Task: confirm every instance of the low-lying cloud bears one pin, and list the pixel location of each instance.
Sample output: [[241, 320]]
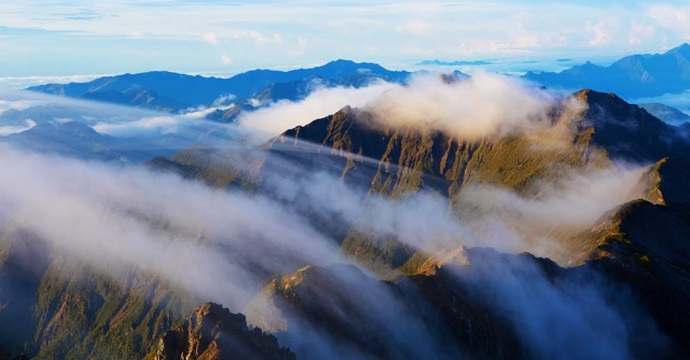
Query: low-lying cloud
[[223, 245], [480, 106], [483, 105], [284, 114], [10, 129]]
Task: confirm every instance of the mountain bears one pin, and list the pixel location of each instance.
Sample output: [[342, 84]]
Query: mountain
[[136, 97], [167, 91], [395, 162], [632, 77], [666, 113], [213, 332], [72, 138], [292, 91], [58, 307], [616, 288], [75, 139], [445, 307], [640, 249]]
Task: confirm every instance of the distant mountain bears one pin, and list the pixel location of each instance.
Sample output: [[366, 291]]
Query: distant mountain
[[296, 90], [39, 114], [75, 139], [168, 91], [136, 97], [666, 113], [632, 77]]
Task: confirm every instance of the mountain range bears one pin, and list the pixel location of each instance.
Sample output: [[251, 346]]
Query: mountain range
[[173, 92], [622, 247], [632, 77], [353, 236]]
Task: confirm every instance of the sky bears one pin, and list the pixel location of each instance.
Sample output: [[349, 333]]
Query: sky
[[64, 40]]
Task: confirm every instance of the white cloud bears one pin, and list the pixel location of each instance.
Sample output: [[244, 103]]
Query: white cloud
[[641, 31], [7, 130], [674, 18], [162, 124], [226, 59], [18, 104], [414, 28], [483, 105], [284, 114], [210, 38], [600, 33]]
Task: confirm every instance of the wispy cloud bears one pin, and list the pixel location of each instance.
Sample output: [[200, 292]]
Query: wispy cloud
[[210, 38], [273, 33], [9, 129], [673, 17]]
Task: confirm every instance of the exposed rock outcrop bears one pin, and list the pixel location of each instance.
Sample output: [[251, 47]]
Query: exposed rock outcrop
[[214, 333]]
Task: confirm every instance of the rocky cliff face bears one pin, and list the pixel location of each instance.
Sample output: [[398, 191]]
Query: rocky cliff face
[[60, 308], [214, 333], [588, 132], [475, 303], [431, 315]]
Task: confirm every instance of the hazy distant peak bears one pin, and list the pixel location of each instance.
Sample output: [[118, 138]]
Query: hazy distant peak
[[683, 49]]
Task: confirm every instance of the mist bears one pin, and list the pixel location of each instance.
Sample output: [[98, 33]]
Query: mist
[[101, 131], [571, 315], [282, 115], [480, 106], [223, 245]]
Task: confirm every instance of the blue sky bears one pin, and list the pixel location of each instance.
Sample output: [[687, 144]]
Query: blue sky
[[74, 38]]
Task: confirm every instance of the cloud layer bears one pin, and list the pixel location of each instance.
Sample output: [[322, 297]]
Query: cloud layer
[[224, 245]]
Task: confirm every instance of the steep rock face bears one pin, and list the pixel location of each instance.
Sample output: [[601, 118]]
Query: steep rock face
[[23, 262], [646, 245], [628, 132], [60, 308], [600, 130], [667, 183], [214, 333], [468, 303], [409, 159], [406, 159], [417, 317], [396, 161]]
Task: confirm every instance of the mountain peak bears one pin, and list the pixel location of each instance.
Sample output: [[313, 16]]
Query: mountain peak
[[349, 65], [341, 62], [213, 332], [683, 49]]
